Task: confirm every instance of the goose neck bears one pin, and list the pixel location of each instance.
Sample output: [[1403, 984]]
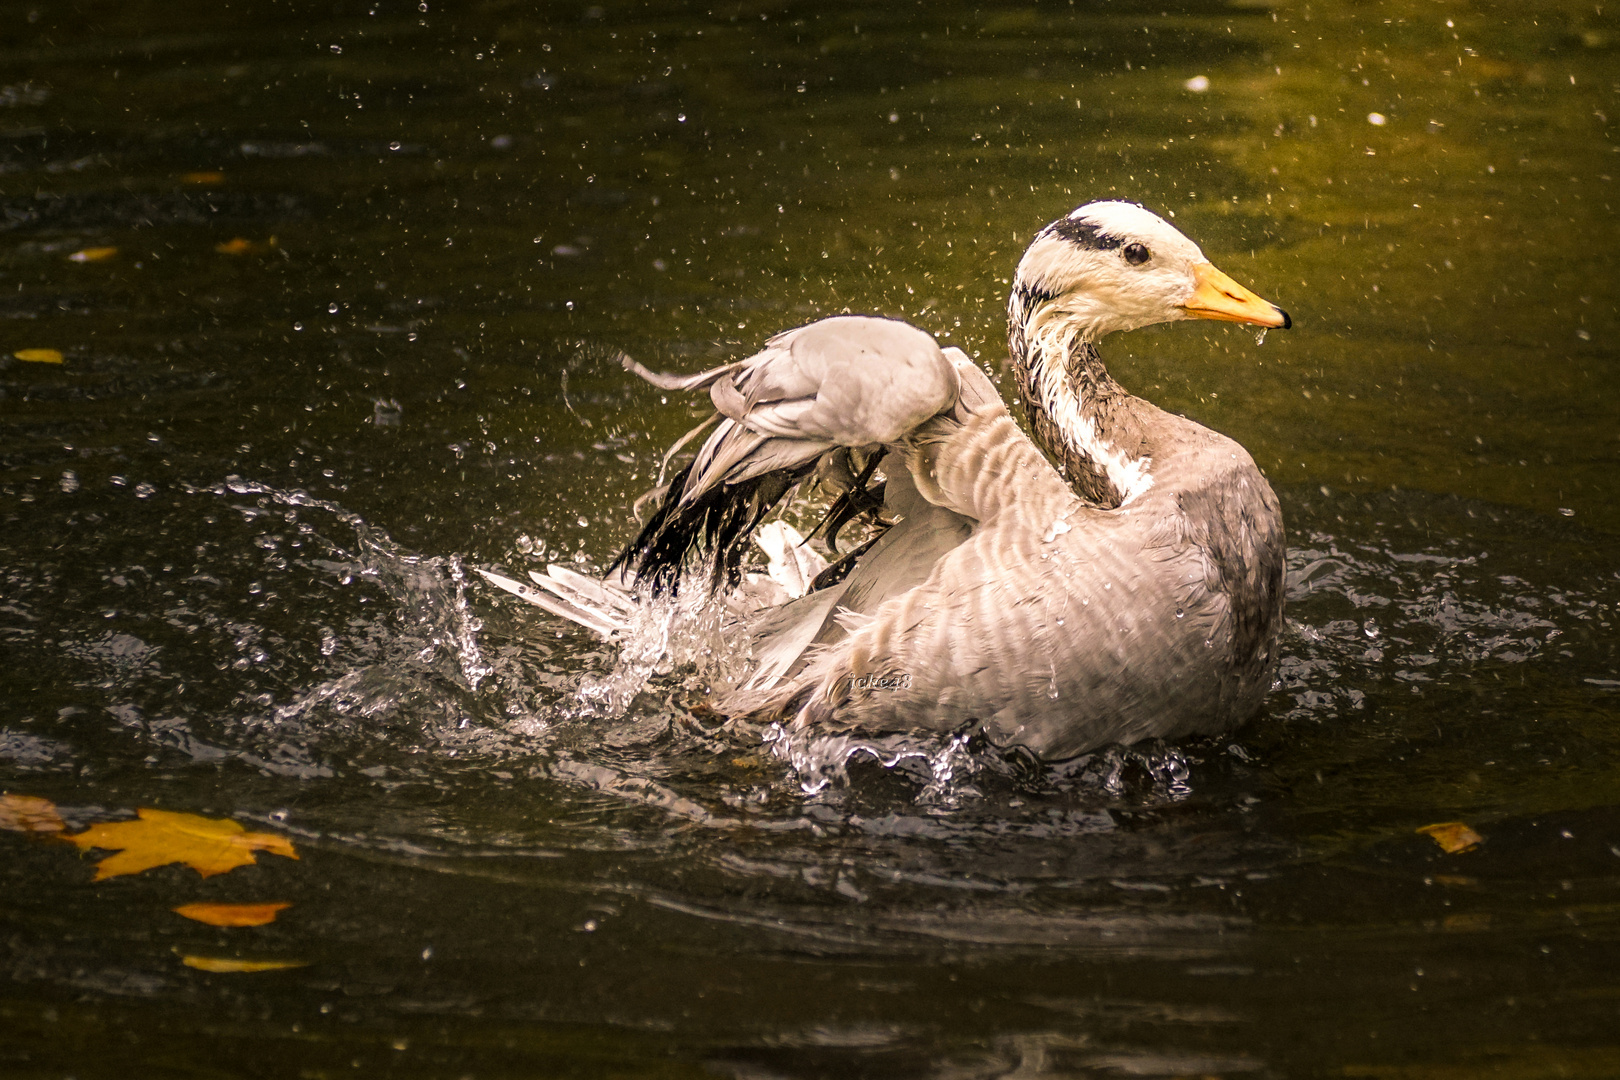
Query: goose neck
[[1079, 414]]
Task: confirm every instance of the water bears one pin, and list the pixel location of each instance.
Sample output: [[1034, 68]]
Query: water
[[359, 337]]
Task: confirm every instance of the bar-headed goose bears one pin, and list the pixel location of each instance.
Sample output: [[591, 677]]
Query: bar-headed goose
[[1118, 576]]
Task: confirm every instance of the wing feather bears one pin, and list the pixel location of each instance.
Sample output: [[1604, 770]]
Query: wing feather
[[848, 382]]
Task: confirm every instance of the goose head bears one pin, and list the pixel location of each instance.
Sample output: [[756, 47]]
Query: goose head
[[1113, 265]]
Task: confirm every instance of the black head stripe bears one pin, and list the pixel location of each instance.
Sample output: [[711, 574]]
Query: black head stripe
[[1027, 296], [1084, 234]]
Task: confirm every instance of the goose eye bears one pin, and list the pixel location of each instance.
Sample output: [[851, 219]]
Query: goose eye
[[1137, 254]]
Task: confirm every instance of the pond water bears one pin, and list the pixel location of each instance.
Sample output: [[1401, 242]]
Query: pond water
[[372, 263]]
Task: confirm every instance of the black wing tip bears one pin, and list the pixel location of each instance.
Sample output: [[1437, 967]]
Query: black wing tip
[[716, 527]]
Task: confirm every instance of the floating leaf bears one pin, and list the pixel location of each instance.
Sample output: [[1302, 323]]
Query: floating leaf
[[39, 356], [232, 914], [160, 837], [87, 255], [1453, 837], [239, 246], [227, 964], [30, 814], [205, 177]]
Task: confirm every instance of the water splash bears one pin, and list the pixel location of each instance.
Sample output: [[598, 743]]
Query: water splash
[[430, 591], [368, 683], [821, 760], [1151, 771], [664, 633], [692, 634]]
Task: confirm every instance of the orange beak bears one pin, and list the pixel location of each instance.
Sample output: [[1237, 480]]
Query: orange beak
[[1219, 297]]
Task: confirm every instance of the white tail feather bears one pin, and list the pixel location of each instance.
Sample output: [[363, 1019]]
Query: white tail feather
[[601, 622]]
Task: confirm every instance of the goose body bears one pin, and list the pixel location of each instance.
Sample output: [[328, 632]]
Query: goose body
[[1121, 580]]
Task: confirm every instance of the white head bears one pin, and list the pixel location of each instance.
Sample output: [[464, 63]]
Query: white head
[[1109, 266], [1114, 266]]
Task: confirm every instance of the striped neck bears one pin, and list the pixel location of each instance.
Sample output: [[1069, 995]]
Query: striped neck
[[1074, 406]]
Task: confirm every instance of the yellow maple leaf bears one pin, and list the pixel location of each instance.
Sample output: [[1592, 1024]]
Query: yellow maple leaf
[[233, 914], [30, 814], [1453, 837], [39, 356], [159, 837], [225, 963], [95, 254]]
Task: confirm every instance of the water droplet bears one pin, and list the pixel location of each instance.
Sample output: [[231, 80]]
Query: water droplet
[[1180, 614], [1260, 337], [298, 326], [69, 482], [332, 309]]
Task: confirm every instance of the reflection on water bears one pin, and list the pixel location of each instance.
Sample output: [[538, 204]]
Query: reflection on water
[[337, 293]]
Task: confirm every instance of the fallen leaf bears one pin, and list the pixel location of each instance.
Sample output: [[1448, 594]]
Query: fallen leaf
[[159, 837], [203, 177], [39, 356], [232, 914], [226, 964], [240, 246], [1453, 837], [30, 814]]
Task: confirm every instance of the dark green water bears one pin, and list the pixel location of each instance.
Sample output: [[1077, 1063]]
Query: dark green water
[[238, 523]]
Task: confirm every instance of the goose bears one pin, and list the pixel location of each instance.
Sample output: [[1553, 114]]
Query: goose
[[1112, 575]]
